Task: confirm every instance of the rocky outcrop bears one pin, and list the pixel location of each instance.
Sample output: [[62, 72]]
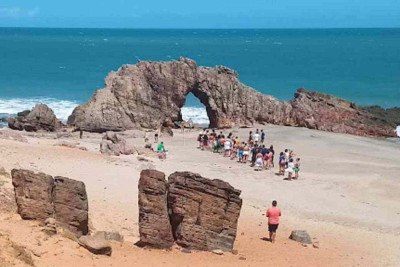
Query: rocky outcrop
[[195, 212], [40, 196], [148, 94], [204, 212], [154, 227], [114, 144], [41, 117], [324, 112]]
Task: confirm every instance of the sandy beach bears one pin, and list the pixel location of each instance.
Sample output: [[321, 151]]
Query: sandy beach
[[346, 198]]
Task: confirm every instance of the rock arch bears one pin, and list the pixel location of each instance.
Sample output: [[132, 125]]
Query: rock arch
[[149, 94]]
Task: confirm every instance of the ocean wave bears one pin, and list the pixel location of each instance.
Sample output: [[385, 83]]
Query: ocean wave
[[198, 115], [62, 108]]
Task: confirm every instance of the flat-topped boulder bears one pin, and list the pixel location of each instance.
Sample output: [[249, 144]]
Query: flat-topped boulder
[[148, 94], [40, 196], [41, 117]]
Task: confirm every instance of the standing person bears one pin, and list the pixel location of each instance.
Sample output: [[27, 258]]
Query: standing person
[[259, 163], [273, 215], [246, 152], [271, 150], [296, 168], [282, 163], [250, 141], [156, 137], [256, 136], [290, 169], [254, 153], [227, 147], [287, 156], [262, 136], [205, 141]]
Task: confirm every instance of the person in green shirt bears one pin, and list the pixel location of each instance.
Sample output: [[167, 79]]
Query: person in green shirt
[[161, 151], [160, 147]]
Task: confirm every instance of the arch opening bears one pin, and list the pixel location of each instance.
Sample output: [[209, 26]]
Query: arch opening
[[195, 110]]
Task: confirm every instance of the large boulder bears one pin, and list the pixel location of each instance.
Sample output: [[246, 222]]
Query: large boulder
[[154, 225], [71, 205], [149, 93], [114, 144], [204, 213], [40, 196], [33, 194], [41, 117]]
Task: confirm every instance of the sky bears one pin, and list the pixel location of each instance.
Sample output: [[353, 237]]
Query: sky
[[200, 14]]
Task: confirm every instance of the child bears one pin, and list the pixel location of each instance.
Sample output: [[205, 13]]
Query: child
[[290, 169], [259, 163], [296, 168]]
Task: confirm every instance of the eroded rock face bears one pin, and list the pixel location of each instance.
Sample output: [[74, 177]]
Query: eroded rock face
[[39, 197], [33, 194], [195, 212], [71, 205], [154, 226], [148, 94], [41, 117], [204, 212]]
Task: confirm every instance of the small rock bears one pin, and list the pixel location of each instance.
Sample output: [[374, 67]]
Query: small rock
[[300, 236], [96, 245], [235, 251], [315, 245], [186, 250], [115, 236], [242, 258], [218, 252]]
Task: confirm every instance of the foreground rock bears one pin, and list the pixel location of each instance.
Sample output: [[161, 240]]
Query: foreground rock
[[41, 117], [39, 197], [301, 236], [203, 213], [96, 245], [149, 94], [154, 226]]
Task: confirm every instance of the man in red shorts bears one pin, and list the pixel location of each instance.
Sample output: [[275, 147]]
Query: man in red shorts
[[273, 215]]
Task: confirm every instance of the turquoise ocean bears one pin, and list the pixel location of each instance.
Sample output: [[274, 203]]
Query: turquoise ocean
[[63, 67]]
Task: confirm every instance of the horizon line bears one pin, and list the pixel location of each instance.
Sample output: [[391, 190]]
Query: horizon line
[[172, 28]]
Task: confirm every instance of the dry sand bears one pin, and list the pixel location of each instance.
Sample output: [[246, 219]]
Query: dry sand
[[346, 198]]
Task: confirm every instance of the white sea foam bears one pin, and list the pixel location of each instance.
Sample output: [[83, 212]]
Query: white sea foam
[[198, 115], [62, 108]]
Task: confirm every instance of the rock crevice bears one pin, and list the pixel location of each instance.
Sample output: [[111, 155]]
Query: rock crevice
[[40, 196]]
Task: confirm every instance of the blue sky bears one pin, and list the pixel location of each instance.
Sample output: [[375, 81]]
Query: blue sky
[[200, 14]]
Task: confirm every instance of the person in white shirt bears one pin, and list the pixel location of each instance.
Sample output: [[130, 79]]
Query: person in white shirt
[[227, 147]]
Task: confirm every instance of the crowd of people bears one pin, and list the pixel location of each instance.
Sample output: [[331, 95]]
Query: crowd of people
[[253, 151]]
